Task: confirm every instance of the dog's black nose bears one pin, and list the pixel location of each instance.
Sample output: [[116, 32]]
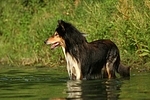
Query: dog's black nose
[[45, 41]]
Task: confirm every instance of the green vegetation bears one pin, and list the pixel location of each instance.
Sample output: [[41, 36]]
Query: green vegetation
[[25, 24]]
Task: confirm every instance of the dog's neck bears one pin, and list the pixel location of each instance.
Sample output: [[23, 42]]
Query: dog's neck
[[69, 52]]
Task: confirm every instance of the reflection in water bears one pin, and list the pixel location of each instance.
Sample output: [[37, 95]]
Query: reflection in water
[[74, 89], [93, 90]]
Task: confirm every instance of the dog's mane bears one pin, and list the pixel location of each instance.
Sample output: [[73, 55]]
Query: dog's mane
[[74, 39]]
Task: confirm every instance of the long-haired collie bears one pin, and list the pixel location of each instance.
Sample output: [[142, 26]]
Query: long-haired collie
[[87, 60]]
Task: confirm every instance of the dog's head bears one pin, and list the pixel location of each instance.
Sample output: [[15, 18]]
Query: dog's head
[[57, 38], [65, 35]]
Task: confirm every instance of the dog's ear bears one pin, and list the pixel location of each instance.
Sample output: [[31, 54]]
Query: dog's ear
[[61, 24]]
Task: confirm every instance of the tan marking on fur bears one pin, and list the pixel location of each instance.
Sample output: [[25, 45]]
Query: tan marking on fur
[[108, 71], [55, 38], [110, 65]]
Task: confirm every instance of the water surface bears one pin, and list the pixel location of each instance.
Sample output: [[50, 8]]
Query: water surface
[[43, 83]]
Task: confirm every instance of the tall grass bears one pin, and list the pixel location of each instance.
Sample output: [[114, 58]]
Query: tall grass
[[25, 24]]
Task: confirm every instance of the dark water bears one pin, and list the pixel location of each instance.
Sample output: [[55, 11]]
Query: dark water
[[40, 83]]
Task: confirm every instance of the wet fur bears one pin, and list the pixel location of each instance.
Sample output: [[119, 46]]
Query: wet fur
[[87, 60]]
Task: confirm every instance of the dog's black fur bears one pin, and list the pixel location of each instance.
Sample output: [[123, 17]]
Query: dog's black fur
[[97, 59]]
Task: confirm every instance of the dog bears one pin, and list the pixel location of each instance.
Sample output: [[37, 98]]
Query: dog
[[86, 60]]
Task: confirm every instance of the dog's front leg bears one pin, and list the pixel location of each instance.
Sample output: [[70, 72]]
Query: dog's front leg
[[78, 72], [69, 70]]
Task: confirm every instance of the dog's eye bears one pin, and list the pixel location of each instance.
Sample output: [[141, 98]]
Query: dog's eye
[[56, 34]]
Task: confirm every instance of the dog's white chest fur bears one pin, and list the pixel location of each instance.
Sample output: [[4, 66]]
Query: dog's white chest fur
[[73, 67]]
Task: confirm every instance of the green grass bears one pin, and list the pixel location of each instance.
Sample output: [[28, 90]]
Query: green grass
[[25, 24]]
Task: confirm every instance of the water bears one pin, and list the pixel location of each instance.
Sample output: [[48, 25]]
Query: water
[[42, 83]]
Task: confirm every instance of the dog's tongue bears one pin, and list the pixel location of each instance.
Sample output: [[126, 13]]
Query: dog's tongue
[[54, 45]]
